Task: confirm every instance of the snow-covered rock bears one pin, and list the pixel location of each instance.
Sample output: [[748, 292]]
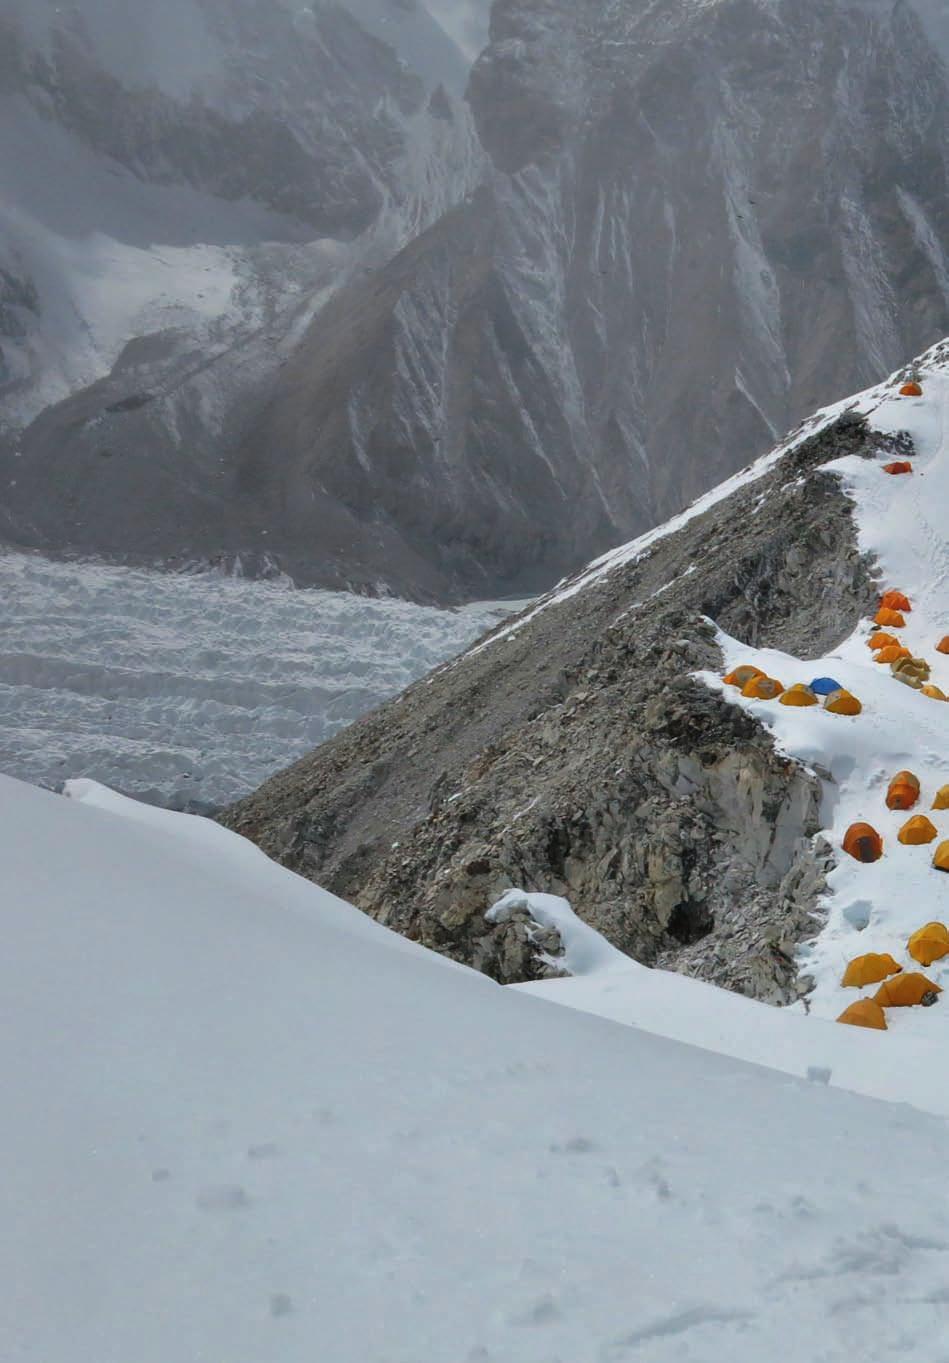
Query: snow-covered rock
[[243, 1122]]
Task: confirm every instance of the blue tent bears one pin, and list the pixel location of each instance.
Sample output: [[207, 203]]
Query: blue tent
[[822, 686]]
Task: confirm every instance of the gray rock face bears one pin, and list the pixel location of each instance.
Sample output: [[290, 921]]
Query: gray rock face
[[575, 754], [202, 166], [699, 221]]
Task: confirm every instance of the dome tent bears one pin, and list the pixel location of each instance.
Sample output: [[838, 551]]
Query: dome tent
[[898, 466], [880, 639], [917, 831], [941, 857], [870, 969], [891, 653], [895, 601], [762, 688], [740, 675], [889, 619], [929, 943], [864, 1013], [903, 791], [907, 991], [911, 390], [799, 694], [864, 843], [842, 703], [823, 686], [941, 798]]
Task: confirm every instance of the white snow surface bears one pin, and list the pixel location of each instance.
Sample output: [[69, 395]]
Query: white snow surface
[[183, 689], [244, 1122]]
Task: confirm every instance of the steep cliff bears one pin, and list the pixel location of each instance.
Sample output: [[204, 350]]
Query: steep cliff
[[574, 751]]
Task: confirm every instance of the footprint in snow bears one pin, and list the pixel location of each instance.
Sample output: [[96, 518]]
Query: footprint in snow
[[266, 1150], [576, 1145], [544, 1311], [225, 1197]]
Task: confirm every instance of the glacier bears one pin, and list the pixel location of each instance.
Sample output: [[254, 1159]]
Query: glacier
[[189, 690]]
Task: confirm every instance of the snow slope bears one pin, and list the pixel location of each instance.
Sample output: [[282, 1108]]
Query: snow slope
[[247, 1123], [184, 689]]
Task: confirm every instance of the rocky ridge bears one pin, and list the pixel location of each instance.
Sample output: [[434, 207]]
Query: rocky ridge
[[573, 752]]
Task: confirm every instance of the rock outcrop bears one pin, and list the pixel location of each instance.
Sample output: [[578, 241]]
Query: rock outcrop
[[574, 752]]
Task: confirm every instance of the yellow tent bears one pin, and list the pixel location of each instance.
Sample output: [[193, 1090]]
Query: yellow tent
[[740, 675], [941, 800], [871, 969], [864, 1013], [929, 943], [842, 703], [934, 692], [762, 688], [941, 857], [798, 694], [917, 830], [906, 991]]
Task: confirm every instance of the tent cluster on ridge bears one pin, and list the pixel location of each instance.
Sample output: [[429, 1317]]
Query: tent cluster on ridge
[[898, 989], [757, 685], [887, 648], [863, 842]]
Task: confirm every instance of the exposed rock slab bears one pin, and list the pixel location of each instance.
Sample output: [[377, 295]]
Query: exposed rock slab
[[576, 755]]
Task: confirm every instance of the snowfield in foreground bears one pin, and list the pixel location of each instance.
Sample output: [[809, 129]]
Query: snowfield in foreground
[[243, 1122], [184, 690]]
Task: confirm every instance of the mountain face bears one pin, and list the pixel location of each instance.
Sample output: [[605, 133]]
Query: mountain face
[[684, 225], [575, 752], [180, 176]]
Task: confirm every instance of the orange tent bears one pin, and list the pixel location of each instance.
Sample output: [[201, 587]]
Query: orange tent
[[941, 857], [891, 619], [941, 798], [943, 645], [740, 675], [898, 466], [903, 791], [798, 694], [929, 943], [880, 639], [895, 601], [863, 842], [871, 969], [762, 688], [911, 390], [906, 990], [917, 830], [864, 1013], [891, 653], [934, 692], [842, 703]]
